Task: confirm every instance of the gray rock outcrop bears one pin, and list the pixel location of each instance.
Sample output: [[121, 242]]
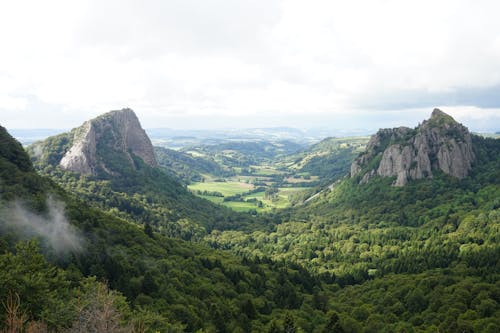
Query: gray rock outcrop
[[116, 132], [439, 143]]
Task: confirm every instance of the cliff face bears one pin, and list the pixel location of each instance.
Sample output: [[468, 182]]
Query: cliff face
[[439, 143], [116, 133]]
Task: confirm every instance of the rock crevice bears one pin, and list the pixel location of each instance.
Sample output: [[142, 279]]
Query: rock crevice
[[439, 143], [114, 133]]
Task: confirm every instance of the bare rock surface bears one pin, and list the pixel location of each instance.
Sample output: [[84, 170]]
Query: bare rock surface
[[439, 143], [116, 133]]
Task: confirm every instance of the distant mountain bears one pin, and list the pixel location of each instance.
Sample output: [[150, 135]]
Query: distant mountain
[[411, 249], [27, 136], [152, 283], [104, 145], [424, 257], [110, 162], [175, 139], [439, 143]]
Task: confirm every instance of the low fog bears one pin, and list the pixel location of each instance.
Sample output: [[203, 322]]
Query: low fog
[[52, 226]]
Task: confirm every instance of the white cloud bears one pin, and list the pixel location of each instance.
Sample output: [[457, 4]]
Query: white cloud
[[267, 59]]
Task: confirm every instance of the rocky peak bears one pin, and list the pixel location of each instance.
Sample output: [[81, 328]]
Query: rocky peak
[[437, 113], [110, 140], [439, 143]]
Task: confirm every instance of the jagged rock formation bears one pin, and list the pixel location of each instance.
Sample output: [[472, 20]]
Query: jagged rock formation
[[439, 143], [116, 134]]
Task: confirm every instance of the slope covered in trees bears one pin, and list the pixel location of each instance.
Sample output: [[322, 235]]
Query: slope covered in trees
[[440, 229], [329, 159], [186, 167], [357, 258], [129, 188], [157, 283]]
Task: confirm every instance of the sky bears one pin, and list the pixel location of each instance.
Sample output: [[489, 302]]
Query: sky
[[198, 64]]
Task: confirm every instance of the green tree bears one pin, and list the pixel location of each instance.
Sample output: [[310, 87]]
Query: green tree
[[148, 230], [333, 325], [289, 324]]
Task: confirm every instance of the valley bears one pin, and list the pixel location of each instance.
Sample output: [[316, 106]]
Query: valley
[[258, 175], [397, 232], [264, 166]]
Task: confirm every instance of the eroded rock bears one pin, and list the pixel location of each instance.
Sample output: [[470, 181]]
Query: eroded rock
[[408, 154]]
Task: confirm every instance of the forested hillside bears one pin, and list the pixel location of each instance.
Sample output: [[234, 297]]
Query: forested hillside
[[426, 242], [157, 283], [189, 168], [328, 160], [361, 256], [124, 185]]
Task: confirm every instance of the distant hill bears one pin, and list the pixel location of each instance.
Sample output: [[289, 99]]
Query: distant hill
[[329, 159], [27, 136], [106, 145], [361, 256], [245, 153], [180, 138], [152, 283], [439, 143], [111, 163], [409, 250], [187, 167]]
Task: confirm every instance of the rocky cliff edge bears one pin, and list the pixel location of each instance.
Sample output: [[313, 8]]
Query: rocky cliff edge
[[116, 132], [439, 143]]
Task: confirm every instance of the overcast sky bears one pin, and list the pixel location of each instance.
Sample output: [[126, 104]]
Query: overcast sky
[[250, 63]]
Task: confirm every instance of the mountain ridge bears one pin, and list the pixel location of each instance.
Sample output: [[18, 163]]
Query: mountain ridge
[[88, 148], [123, 182], [439, 143]]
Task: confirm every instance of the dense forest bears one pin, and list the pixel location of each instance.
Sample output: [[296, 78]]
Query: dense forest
[[142, 194], [144, 251], [129, 277]]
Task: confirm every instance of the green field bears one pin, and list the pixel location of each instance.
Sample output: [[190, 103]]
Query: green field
[[217, 200], [232, 187], [226, 188], [264, 170]]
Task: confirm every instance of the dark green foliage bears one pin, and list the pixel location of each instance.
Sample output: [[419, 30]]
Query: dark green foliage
[[44, 290], [12, 152], [440, 300], [148, 230], [329, 159], [289, 325], [17, 176], [333, 325], [144, 194], [177, 283], [358, 233], [369, 258], [245, 153], [186, 167]]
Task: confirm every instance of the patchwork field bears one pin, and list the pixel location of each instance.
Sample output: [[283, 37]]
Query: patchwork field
[[226, 188], [235, 195]]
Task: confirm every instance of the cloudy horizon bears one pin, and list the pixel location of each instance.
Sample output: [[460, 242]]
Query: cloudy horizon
[[240, 64]]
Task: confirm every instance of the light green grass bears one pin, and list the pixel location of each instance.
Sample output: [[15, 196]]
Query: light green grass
[[265, 171], [233, 187], [217, 200], [226, 188]]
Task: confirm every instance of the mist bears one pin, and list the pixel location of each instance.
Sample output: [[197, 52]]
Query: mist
[[52, 226]]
